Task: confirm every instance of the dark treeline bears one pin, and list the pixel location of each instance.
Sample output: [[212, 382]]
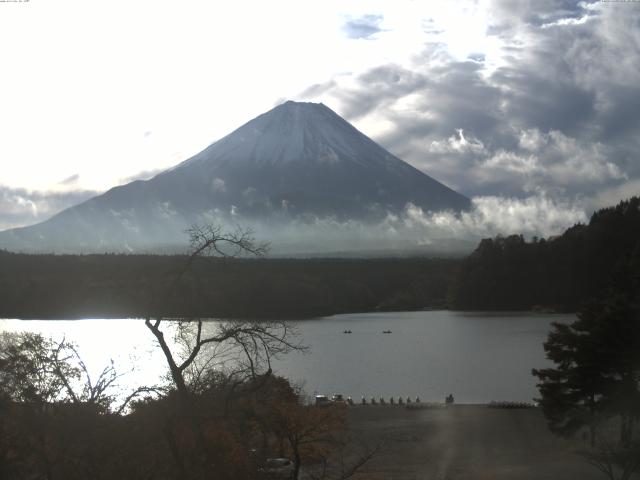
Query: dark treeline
[[504, 273], [111, 286], [561, 273]]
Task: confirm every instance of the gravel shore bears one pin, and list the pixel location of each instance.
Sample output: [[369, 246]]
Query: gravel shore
[[464, 442]]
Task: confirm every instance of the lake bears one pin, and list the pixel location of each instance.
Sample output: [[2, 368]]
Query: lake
[[478, 357]]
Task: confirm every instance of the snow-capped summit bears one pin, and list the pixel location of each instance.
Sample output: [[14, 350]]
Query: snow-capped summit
[[305, 157], [296, 161], [293, 132]]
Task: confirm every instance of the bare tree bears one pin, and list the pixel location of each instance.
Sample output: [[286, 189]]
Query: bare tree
[[204, 351], [34, 370], [38, 371], [54, 407], [252, 344]]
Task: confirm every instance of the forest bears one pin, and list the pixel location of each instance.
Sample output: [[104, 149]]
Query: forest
[[555, 274], [118, 286]]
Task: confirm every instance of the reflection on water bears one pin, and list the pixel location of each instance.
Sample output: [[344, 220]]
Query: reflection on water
[[476, 356]]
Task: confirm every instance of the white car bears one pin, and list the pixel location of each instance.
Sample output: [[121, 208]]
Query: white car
[[278, 468], [338, 397]]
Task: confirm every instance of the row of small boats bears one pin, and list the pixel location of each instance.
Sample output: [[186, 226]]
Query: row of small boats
[[384, 331], [494, 404]]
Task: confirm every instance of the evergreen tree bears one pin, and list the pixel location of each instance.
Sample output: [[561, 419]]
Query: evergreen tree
[[595, 383]]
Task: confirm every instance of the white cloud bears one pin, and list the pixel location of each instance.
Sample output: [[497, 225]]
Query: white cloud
[[218, 185], [552, 161], [490, 216], [532, 139], [572, 162], [166, 210], [457, 144], [536, 215], [512, 162]]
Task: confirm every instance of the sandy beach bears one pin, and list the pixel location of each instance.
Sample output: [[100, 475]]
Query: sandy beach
[[463, 442]]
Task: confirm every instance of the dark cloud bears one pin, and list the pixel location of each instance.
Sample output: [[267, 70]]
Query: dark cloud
[[71, 180], [20, 207], [315, 90], [477, 57], [377, 87], [533, 99], [511, 15], [560, 116], [363, 27], [621, 118]]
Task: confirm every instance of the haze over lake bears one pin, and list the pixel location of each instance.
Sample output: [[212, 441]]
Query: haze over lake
[[478, 357]]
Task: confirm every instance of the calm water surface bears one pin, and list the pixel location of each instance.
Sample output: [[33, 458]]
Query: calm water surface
[[476, 356]]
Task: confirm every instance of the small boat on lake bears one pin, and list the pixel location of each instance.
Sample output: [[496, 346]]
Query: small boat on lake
[[386, 331]]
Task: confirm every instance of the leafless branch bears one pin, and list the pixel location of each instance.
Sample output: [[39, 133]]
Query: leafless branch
[[136, 393]]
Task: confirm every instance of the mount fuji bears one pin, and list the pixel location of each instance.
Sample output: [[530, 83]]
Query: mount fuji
[[297, 162]]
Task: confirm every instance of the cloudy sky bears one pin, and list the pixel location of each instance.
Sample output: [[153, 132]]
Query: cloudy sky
[[537, 103]]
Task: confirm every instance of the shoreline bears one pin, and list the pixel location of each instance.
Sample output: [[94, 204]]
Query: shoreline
[[299, 318]]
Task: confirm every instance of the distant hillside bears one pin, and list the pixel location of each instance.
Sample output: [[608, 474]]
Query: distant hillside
[[561, 273]]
